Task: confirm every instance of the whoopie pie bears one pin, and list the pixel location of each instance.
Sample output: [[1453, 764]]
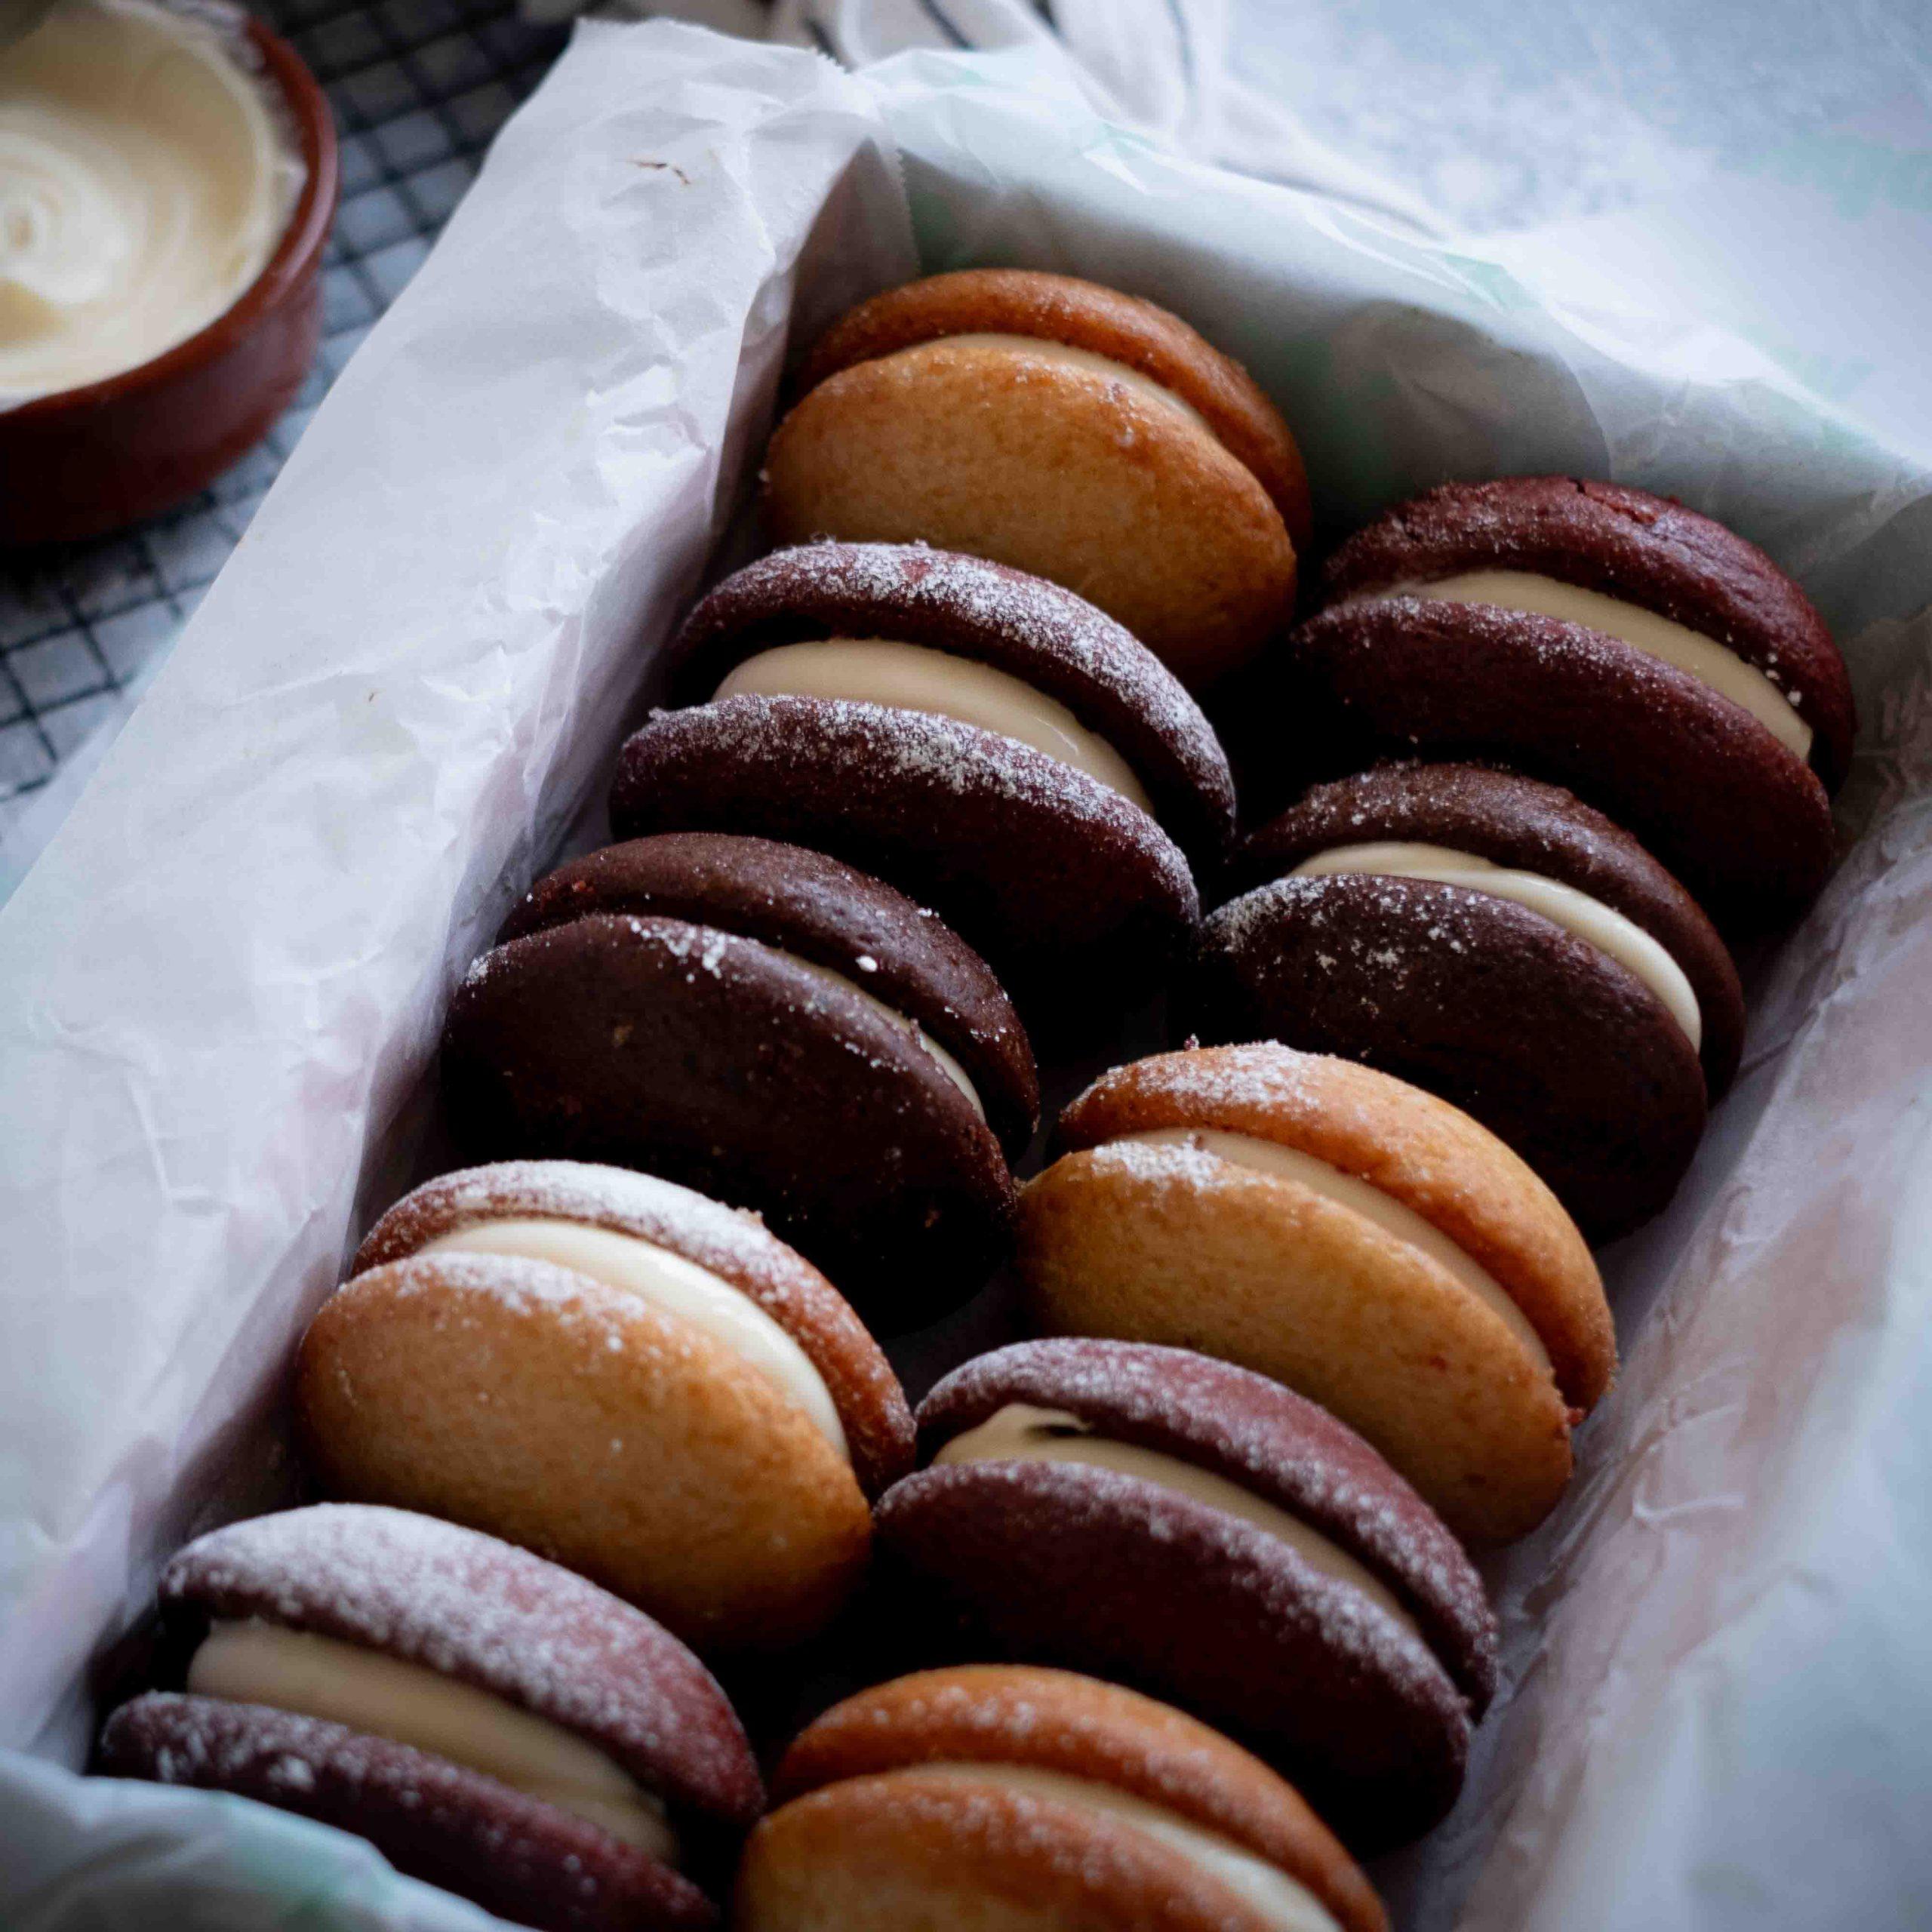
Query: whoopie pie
[[1066, 428], [990, 744], [766, 1024], [1006, 1798], [1355, 1239], [1200, 1532], [620, 1374], [1600, 637], [1495, 941], [491, 1723]]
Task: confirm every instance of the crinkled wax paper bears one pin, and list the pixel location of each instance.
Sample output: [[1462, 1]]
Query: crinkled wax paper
[[221, 988]]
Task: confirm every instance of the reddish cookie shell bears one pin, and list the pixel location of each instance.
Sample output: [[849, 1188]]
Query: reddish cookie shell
[[1271, 1441], [1645, 550], [1564, 1055], [1097, 1571], [1075, 897], [1698, 780], [812, 906], [717, 1061], [1517, 822], [1045, 636], [491, 1615], [735, 1246], [515, 1856]]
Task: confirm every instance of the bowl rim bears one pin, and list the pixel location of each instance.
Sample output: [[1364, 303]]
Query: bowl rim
[[302, 239]]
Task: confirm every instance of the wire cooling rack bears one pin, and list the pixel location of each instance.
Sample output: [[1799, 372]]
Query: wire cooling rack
[[419, 88]]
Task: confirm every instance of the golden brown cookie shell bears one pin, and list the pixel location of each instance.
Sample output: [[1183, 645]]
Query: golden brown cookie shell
[[1124, 328], [1061, 472]]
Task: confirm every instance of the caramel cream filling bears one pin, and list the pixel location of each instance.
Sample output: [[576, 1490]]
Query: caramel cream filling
[[1577, 912], [323, 1676], [912, 677], [1067, 356], [1392, 1216], [1709, 661], [1274, 1897], [675, 1287], [1019, 1432]]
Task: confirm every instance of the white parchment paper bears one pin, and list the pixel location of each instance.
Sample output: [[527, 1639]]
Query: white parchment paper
[[220, 989]]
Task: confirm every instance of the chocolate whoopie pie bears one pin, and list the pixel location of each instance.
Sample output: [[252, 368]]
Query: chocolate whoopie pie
[[1541, 848], [1597, 637], [1010, 1799], [992, 744], [1351, 1237], [765, 1023], [1065, 429], [491, 1723], [1202, 1533], [620, 1374]]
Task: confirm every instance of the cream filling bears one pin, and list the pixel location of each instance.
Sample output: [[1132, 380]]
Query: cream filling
[[1704, 658], [1589, 919], [1069, 357], [1269, 1891], [911, 677], [144, 181], [1394, 1217], [678, 1287], [1019, 1432], [322, 1677]]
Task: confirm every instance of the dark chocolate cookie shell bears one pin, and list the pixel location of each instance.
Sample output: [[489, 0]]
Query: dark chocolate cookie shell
[[512, 1854], [490, 1615], [811, 905], [1703, 786], [1562, 1054], [1645, 550], [1270, 1440], [717, 1062], [1518, 822], [1101, 1572], [1076, 898], [1045, 636]]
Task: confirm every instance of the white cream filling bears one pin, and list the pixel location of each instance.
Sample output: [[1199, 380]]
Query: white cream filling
[[1282, 1902], [144, 181], [1590, 919], [912, 677], [1704, 658], [1394, 1217], [1069, 357], [1019, 1432], [678, 1287], [322, 1677]]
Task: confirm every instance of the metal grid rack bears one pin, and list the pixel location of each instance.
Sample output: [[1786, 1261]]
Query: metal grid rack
[[419, 88]]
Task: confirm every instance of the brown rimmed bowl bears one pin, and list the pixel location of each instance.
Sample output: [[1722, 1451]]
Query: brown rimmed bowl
[[90, 460]]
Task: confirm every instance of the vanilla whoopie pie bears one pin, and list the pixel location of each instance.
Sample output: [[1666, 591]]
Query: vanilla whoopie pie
[[1604, 639], [990, 744], [491, 1723], [1455, 927], [1017, 1800], [1063, 428], [616, 1373], [1176, 1522], [1357, 1239], [768, 1025]]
